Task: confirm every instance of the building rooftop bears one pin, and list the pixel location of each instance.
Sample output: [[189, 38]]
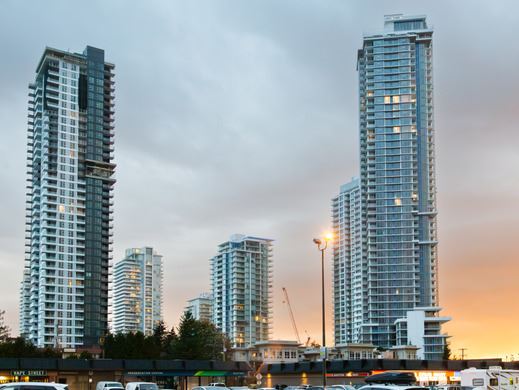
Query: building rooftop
[[355, 182], [278, 342], [66, 54], [242, 237], [401, 24]]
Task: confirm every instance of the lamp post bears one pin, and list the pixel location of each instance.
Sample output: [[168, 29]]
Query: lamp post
[[321, 246]]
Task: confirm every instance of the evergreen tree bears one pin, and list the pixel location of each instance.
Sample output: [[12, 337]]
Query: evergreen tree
[[4, 329], [198, 340], [169, 344], [446, 351], [194, 340]]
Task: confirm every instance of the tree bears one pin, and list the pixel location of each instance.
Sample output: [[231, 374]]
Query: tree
[[131, 346], [446, 351], [159, 333], [193, 339], [198, 340], [19, 347], [85, 355], [169, 343], [4, 329]]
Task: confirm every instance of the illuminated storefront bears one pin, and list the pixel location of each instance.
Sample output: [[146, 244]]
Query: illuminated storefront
[[24, 376], [428, 378]]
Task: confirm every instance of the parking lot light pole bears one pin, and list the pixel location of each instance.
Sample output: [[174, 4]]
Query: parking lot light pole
[[321, 246]]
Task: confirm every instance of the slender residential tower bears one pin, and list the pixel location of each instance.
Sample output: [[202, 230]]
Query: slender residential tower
[[241, 279], [64, 301], [396, 283], [137, 301], [349, 271]]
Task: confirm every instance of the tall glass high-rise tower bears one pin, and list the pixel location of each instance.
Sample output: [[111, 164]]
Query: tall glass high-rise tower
[[64, 294], [397, 177], [241, 281]]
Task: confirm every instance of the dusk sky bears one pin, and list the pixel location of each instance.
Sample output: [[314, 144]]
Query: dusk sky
[[241, 117]]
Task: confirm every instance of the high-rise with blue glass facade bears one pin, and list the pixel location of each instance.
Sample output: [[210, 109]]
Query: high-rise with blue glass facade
[[397, 177], [64, 292]]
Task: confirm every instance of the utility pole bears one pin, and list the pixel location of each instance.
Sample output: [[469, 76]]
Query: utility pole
[[463, 353]]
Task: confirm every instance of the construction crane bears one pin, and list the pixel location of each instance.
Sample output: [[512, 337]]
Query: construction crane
[[291, 315]]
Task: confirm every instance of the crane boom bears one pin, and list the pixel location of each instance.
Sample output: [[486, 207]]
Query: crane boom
[[291, 315]]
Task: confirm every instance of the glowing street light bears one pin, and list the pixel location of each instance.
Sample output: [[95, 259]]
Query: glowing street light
[[321, 246]]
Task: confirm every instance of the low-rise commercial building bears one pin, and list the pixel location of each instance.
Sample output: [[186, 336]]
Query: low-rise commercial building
[[269, 351], [83, 374], [353, 351], [427, 372]]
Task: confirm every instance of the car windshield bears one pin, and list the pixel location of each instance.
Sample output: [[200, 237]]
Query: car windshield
[[148, 386]]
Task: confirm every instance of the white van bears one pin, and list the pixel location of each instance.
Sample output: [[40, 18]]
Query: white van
[[106, 385], [141, 386]]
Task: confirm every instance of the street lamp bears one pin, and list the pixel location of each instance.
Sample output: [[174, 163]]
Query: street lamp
[[321, 246]]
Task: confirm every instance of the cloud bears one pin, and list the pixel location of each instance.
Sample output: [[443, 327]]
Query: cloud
[[236, 117]]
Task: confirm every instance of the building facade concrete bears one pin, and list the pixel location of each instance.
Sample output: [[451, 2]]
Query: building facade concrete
[[137, 300], [64, 291], [422, 328], [201, 307], [241, 282]]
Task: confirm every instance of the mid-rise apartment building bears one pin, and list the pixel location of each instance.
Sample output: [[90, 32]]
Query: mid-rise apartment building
[[137, 299], [201, 307], [421, 327], [241, 281]]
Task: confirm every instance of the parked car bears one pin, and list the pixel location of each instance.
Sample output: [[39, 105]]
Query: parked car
[[210, 388], [141, 386], [34, 386], [107, 385], [340, 387], [384, 386]]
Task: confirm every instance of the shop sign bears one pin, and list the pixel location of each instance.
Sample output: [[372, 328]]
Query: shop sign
[[29, 373], [346, 374]]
